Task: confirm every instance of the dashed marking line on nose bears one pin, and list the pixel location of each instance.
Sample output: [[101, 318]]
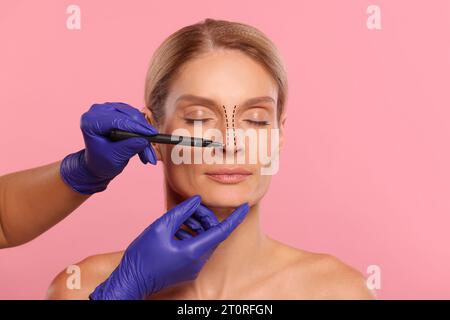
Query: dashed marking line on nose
[[228, 124], [226, 119], [234, 134]]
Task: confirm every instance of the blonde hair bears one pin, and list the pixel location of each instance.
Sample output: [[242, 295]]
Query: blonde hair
[[202, 37]]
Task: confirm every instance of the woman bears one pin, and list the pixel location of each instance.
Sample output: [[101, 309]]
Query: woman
[[226, 74]]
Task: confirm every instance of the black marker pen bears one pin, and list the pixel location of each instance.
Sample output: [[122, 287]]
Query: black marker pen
[[117, 135]]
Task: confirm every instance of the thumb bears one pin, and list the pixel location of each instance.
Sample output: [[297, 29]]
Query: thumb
[[215, 235]]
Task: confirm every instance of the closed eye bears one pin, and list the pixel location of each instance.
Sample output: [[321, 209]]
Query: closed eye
[[257, 123], [192, 121]]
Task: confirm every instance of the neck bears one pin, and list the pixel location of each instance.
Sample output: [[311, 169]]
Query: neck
[[234, 259]]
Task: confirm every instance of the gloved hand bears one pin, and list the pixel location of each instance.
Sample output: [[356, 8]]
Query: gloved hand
[[91, 169], [155, 260]]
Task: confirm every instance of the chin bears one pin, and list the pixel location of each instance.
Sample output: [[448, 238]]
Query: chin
[[225, 199]]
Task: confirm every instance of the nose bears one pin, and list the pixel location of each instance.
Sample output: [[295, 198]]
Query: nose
[[229, 128], [230, 144]]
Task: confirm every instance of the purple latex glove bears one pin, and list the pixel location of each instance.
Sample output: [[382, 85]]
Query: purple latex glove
[[155, 260], [90, 170]]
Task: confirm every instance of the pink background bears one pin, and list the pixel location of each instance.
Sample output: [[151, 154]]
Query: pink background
[[365, 173]]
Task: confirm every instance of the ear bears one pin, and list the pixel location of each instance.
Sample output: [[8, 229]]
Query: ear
[[283, 118], [149, 117]]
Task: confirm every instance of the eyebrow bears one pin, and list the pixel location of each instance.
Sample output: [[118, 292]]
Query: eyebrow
[[210, 102]]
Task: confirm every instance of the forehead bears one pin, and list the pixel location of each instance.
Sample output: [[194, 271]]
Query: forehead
[[226, 76]]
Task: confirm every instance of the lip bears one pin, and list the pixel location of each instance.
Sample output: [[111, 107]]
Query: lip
[[229, 175]]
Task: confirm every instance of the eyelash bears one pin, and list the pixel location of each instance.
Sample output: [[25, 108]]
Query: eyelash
[[256, 123], [191, 121]]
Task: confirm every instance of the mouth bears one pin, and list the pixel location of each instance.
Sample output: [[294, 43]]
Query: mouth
[[228, 175]]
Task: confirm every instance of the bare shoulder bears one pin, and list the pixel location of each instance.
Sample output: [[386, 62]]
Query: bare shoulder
[[90, 272], [314, 275], [338, 280]]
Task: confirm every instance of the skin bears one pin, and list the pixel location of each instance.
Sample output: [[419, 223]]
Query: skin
[[23, 214], [248, 264]]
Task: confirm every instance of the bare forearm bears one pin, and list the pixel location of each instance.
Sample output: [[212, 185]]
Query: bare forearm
[[32, 201]]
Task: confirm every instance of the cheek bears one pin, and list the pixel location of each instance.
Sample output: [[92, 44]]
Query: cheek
[[180, 178], [263, 184], [261, 147], [165, 151], [257, 188], [177, 173]]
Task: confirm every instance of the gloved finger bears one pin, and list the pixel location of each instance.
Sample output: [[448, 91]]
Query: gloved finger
[[128, 124], [151, 154], [176, 216], [205, 216], [214, 236], [108, 106], [182, 234], [143, 157], [194, 225], [201, 220], [101, 123], [148, 155], [101, 119], [125, 149], [132, 112]]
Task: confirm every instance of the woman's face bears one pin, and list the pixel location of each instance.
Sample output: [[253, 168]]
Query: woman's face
[[215, 90]]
